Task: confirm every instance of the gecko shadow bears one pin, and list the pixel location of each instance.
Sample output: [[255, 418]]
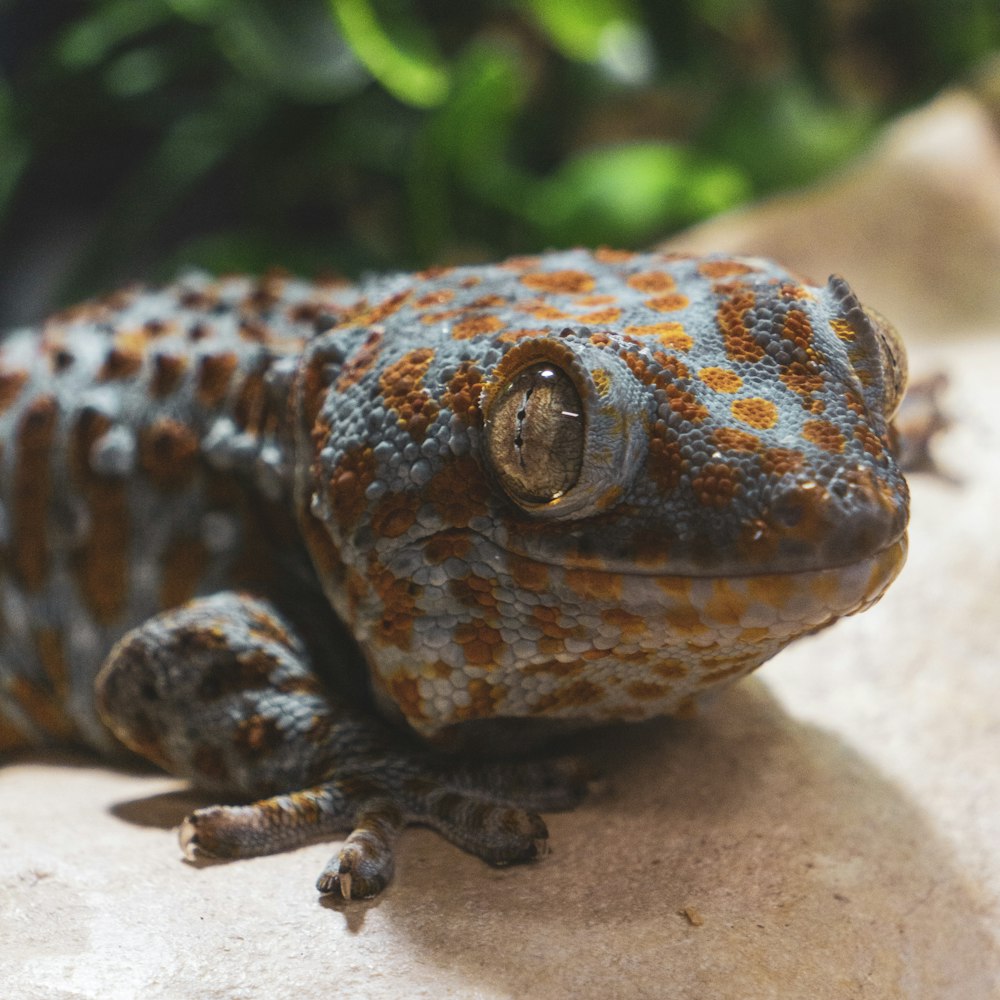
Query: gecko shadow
[[739, 854]]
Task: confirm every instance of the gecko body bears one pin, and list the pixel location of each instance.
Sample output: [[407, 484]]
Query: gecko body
[[295, 542]]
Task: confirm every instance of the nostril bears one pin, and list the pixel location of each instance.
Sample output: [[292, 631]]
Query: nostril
[[788, 511]]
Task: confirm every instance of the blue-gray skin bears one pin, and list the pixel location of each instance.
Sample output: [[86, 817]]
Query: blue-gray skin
[[309, 543]]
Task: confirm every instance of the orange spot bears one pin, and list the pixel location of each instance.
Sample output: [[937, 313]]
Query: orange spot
[[723, 268], [790, 290], [480, 642], [402, 389], [725, 606], [607, 255], [528, 574], [556, 668], [41, 705], [365, 315], [731, 439], [49, 646], [773, 590], [463, 392], [488, 302], [869, 440], [602, 381], [720, 379], [647, 690], [521, 263], [475, 591], [485, 700], [824, 435], [476, 326], [214, 374], [351, 476], [11, 384], [360, 362], [593, 585], [168, 369], [731, 319], [717, 484], [803, 378], [671, 335], [101, 563], [395, 514], [549, 312], [398, 596], [439, 317], [249, 409], [441, 297], [670, 669], [442, 547], [576, 694], [664, 463], [168, 452], [567, 282], [672, 371], [755, 411], [668, 303], [843, 329], [603, 317], [631, 626], [120, 362], [652, 281], [513, 336], [405, 692], [458, 492], [778, 461], [31, 489]]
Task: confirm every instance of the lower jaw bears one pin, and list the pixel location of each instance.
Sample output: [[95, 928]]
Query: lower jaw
[[677, 637]]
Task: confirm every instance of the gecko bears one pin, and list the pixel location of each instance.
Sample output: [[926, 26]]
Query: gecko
[[340, 554]]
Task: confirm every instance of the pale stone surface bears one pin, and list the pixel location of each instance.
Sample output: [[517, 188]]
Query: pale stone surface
[[914, 226], [830, 827]]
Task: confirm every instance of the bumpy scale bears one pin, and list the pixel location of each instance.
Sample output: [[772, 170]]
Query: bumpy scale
[[309, 544]]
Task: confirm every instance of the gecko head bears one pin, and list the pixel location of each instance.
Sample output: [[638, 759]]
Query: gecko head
[[558, 513]]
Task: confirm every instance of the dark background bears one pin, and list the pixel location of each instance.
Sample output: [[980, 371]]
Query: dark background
[[140, 137]]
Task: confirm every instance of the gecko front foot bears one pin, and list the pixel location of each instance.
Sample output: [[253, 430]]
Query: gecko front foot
[[221, 692], [488, 811]]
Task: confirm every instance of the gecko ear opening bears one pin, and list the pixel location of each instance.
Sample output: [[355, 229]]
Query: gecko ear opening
[[878, 354], [894, 366]]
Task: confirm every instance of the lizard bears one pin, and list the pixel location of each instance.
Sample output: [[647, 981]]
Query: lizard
[[340, 553]]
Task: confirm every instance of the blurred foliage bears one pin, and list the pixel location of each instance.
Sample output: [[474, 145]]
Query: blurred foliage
[[140, 136]]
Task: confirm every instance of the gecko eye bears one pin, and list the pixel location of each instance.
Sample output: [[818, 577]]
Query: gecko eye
[[535, 433], [893, 358]]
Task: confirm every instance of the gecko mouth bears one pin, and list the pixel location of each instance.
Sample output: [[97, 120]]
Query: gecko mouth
[[802, 599], [802, 527]]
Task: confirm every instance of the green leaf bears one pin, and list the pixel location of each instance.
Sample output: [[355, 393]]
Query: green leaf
[[630, 194], [15, 151], [576, 29], [402, 60], [294, 48], [89, 41]]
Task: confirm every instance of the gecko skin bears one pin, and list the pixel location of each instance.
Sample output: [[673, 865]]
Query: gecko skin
[[304, 544]]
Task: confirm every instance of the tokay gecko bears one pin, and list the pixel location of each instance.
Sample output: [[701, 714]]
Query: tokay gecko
[[338, 552]]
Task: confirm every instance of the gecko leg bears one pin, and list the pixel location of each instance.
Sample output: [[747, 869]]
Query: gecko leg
[[221, 692]]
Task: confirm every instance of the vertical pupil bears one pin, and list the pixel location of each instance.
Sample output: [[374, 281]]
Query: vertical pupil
[[536, 434]]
